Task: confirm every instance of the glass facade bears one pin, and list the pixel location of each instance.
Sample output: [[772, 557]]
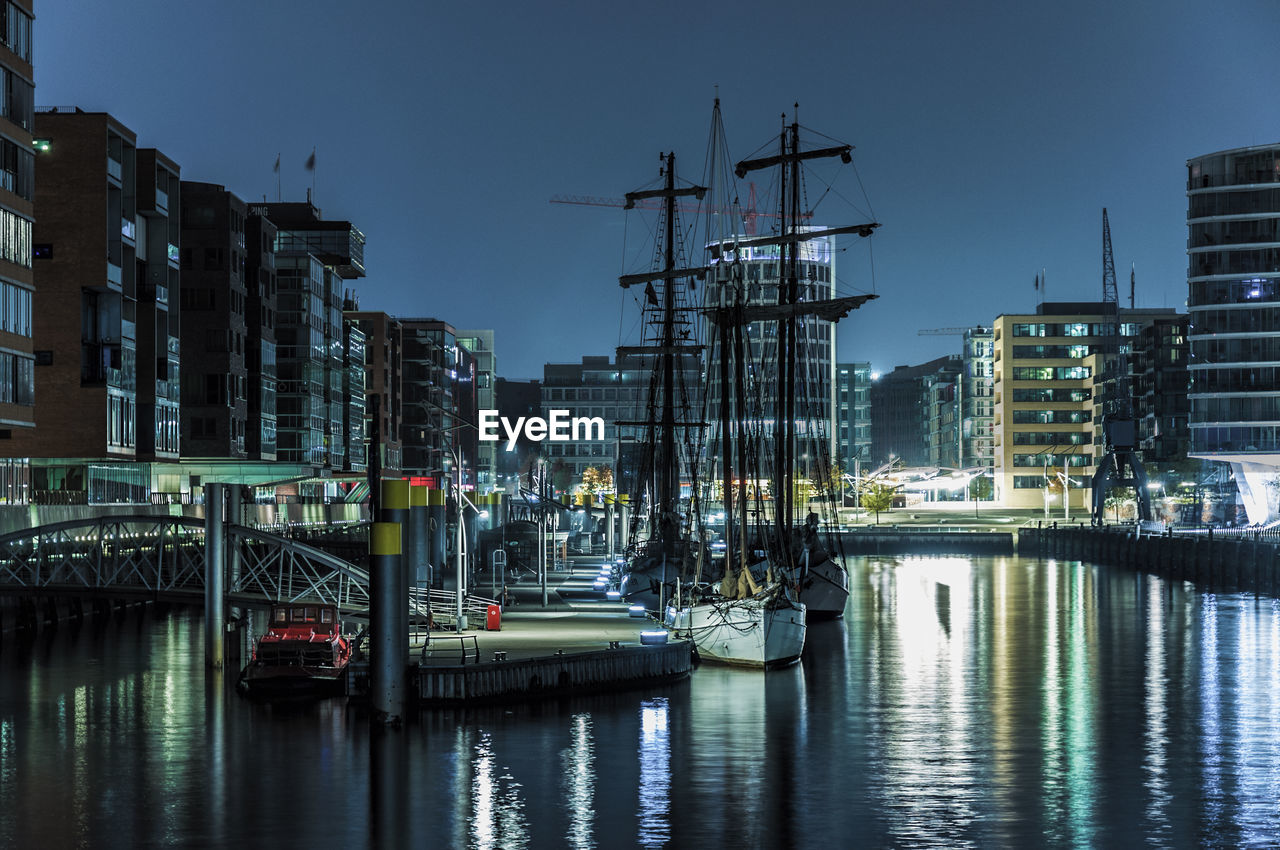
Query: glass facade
[[1233, 279]]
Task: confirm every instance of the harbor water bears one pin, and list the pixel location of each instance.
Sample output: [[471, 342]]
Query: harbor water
[[966, 702]]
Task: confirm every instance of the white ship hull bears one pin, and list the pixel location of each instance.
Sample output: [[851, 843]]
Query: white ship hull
[[764, 631], [825, 590]]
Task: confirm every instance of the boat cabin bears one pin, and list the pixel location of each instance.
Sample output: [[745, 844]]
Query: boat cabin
[[297, 618]]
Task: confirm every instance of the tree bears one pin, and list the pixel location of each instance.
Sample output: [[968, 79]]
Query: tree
[[596, 480], [878, 497], [1116, 499], [980, 490]]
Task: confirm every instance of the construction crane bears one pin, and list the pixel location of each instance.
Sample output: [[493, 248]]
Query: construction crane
[[749, 214], [1119, 430], [943, 331]]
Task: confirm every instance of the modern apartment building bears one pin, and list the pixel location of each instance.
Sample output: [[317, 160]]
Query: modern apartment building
[[898, 415], [1046, 388], [216, 343], [107, 330], [1233, 283], [440, 411], [480, 344], [940, 409], [853, 413], [1160, 380], [262, 312], [314, 258], [976, 391], [17, 346], [383, 352], [617, 392]]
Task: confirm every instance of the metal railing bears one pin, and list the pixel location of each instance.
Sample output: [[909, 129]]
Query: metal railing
[[450, 649], [441, 606]]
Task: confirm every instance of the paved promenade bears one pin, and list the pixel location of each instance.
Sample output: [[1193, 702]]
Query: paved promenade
[[577, 619]]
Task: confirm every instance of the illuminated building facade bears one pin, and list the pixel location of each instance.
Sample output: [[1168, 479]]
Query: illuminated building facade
[[1233, 298]]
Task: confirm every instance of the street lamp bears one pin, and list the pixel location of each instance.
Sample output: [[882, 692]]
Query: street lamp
[[455, 454]]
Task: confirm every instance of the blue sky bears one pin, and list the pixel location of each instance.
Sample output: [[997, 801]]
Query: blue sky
[[989, 136]]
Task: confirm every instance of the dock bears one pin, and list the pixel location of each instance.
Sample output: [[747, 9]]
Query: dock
[[578, 644]]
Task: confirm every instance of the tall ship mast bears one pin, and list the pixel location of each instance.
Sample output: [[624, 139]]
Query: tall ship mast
[[790, 312]]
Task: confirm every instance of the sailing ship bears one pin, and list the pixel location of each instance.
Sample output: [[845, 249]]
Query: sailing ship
[[804, 554], [752, 609]]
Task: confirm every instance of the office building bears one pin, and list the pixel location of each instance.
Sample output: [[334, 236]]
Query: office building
[[107, 331], [1233, 298], [817, 427], [1047, 386], [17, 346]]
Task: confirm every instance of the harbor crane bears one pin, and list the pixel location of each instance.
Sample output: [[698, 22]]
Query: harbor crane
[[1119, 429]]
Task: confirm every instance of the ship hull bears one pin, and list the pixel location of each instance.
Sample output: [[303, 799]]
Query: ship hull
[[758, 632], [289, 681], [825, 590]]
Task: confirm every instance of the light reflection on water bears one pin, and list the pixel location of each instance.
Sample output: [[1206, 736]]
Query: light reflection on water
[[961, 702]]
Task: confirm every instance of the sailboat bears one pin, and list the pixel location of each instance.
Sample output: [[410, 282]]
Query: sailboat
[[798, 552], [753, 610]]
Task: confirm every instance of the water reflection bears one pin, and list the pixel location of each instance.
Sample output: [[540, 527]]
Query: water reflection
[[498, 819], [961, 702], [578, 763], [654, 825]]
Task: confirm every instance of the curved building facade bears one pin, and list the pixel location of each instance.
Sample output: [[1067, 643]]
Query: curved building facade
[[1233, 280]]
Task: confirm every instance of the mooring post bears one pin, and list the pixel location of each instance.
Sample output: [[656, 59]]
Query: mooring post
[[215, 570], [395, 508], [386, 585]]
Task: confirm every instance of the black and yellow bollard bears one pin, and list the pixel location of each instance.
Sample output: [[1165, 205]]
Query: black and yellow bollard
[[387, 643]]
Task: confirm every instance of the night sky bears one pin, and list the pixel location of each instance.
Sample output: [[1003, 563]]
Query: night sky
[[989, 136]]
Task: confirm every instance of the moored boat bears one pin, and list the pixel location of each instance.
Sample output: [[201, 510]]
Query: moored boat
[[303, 653]]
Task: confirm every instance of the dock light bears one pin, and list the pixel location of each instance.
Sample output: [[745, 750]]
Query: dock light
[[636, 611], [613, 595], [655, 638]]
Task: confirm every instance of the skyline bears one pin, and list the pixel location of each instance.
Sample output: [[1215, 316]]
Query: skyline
[[453, 191]]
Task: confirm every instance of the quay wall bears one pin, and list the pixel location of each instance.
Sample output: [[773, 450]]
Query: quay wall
[[545, 676], [1224, 564], [926, 541]]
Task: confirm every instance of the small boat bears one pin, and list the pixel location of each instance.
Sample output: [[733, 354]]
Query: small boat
[[302, 653]]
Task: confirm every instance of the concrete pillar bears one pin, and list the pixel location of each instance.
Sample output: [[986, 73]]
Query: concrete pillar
[[215, 571], [395, 508], [387, 649], [436, 548]]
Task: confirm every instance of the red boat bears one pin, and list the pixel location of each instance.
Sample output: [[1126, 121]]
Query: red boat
[[303, 652]]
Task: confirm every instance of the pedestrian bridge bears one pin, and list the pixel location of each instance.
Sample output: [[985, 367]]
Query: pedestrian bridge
[[163, 557]]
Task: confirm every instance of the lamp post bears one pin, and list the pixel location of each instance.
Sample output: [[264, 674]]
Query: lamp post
[[455, 454]]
